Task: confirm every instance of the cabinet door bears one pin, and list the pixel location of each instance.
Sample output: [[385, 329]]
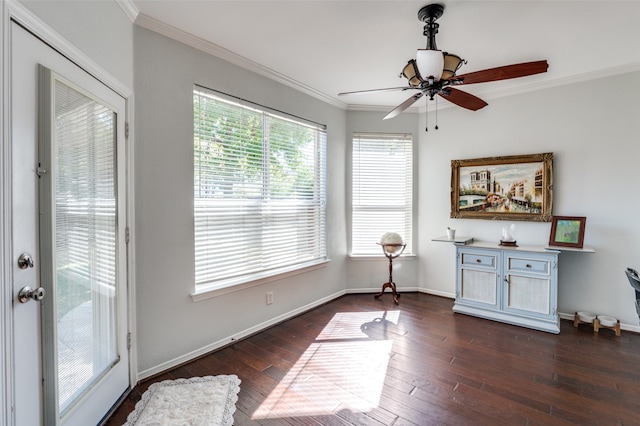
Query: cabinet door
[[529, 284], [478, 278]]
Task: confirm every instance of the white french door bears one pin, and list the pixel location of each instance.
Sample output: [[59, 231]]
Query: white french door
[[71, 361]]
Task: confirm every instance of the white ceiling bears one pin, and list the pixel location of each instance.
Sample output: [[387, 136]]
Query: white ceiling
[[324, 47]]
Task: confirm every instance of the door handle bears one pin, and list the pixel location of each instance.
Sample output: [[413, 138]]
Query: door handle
[[27, 293]]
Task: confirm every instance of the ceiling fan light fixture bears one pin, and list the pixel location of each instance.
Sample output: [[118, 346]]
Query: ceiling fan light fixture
[[411, 73], [430, 63], [451, 64], [433, 72]]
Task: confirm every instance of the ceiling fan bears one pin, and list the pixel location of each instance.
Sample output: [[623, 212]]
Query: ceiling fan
[[433, 72]]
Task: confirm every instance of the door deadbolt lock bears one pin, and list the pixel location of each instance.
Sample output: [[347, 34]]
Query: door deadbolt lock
[[27, 293], [25, 261]]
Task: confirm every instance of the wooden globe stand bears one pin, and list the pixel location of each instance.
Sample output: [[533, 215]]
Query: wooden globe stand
[[391, 254]]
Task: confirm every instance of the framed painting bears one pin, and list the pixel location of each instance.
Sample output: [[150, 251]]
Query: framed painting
[[517, 187], [567, 231]]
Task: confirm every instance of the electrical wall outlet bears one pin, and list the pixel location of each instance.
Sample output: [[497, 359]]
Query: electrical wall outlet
[[269, 297]]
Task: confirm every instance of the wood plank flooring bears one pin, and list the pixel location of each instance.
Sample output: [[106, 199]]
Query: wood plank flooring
[[364, 361]]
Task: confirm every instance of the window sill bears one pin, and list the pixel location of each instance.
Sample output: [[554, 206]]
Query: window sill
[[358, 257], [205, 291]]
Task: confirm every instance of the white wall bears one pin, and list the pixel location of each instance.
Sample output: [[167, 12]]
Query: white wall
[[169, 323], [593, 129], [100, 29]]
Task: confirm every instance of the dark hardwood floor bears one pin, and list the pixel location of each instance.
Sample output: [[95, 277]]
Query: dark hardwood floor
[[365, 361]]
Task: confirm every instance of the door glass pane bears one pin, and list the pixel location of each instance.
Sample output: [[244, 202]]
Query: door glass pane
[[85, 241]]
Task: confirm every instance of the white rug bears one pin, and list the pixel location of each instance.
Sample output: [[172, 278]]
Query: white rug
[[199, 401]]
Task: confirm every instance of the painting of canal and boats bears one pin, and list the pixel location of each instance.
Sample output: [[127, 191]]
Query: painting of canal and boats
[[505, 188]]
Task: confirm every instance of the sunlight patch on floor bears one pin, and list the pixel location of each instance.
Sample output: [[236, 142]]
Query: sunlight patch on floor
[[352, 325], [344, 368]]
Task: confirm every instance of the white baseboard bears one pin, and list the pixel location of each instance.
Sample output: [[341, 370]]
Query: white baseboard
[[402, 290], [377, 290], [160, 368], [438, 293]]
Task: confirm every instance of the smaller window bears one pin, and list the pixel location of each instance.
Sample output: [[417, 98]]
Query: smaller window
[[382, 190]]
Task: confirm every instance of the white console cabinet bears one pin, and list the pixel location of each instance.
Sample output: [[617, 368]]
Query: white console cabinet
[[515, 285]]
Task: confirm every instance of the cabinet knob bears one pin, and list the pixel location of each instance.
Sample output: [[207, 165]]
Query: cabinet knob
[[478, 261], [528, 266]]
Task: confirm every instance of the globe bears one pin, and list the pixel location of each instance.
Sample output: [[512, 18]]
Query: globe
[[391, 238]]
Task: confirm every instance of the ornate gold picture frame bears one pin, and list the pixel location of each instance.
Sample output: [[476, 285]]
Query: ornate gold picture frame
[[517, 187]]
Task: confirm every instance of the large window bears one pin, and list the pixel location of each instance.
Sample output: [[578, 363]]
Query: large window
[[260, 191], [382, 190]]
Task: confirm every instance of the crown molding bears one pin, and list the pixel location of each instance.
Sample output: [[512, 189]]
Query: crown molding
[[542, 85], [213, 49], [565, 81], [32, 23], [129, 8], [380, 108]]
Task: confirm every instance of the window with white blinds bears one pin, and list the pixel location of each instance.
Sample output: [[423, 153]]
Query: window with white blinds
[[259, 191], [382, 190]]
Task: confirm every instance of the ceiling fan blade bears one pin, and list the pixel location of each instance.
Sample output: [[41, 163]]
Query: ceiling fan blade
[[406, 104], [364, 92], [504, 72], [463, 99]]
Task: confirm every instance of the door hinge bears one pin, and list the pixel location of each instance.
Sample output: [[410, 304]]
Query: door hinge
[[127, 236], [129, 340], [126, 130]]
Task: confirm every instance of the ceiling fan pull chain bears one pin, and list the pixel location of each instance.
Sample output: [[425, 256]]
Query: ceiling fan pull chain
[[426, 113], [436, 113]]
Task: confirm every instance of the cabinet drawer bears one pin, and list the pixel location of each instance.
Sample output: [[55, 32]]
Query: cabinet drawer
[[529, 265], [479, 259]]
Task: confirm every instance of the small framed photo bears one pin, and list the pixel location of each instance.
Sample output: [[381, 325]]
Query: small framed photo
[[567, 231]]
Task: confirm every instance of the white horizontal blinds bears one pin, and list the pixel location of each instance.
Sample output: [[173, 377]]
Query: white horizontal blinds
[[382, 190], [85, 240], [259, 193]]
